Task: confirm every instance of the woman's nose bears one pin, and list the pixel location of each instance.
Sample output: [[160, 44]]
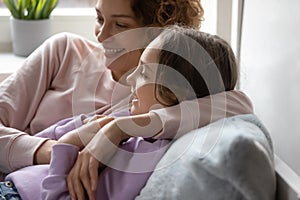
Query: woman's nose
[[104, 33]]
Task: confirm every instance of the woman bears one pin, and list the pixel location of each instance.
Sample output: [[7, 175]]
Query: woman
[[55, 81]]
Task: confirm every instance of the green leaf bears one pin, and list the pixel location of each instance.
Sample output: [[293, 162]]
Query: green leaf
[[49, 6], [39, 9], [31, 9], [10, 4]]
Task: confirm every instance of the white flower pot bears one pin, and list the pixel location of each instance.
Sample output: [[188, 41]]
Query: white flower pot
[[27, 35]]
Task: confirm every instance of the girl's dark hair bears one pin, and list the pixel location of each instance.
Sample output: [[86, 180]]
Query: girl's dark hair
[[168, 12], [193, 64]]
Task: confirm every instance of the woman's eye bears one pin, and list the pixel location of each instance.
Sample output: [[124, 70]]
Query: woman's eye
[[100, 20], [121, 25]]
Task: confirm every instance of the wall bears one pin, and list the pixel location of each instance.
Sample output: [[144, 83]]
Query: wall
[[270, 62]]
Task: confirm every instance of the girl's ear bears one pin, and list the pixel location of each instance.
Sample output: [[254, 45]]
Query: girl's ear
[[165, 96]]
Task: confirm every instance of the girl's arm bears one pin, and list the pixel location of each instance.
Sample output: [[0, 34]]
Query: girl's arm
[[54, 185], [76, 131], [81, 136]]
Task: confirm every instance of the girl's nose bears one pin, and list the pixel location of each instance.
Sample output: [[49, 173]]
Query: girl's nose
[[131, 78]]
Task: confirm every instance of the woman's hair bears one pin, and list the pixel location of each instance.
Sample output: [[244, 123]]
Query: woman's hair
[[169, 12], [193, 64]]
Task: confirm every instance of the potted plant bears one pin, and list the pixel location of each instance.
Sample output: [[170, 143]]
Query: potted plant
[[30, 23]]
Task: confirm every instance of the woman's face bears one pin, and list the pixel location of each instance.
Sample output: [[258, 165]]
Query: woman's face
[[114, 17], [142, 82]]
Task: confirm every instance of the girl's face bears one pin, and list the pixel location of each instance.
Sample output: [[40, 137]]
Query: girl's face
[[113, 17], [142, 82]]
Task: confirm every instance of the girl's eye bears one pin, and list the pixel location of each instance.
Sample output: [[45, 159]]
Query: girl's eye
[[143, 74]]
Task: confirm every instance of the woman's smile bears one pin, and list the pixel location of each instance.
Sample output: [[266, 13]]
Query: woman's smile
[[113, 50]]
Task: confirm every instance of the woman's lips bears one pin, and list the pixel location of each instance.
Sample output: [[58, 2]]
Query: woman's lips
[[113, 51]]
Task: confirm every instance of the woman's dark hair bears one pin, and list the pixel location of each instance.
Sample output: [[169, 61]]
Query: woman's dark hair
[[168, 12], [193, 64]]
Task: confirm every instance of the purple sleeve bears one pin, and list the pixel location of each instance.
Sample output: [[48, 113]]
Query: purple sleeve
[[62, 127], [129, 170], [28, 180], [123, 179], [54, 186]]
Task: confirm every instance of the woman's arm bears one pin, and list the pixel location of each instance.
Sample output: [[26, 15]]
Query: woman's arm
[[168, 123], [163, 123], [38, 95], [189, 115], [172, 122], [20, 96]]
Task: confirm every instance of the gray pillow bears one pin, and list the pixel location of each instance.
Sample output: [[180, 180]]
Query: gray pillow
[[229, 159]]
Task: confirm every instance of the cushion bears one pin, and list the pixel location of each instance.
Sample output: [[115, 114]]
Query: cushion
[[229, 159]]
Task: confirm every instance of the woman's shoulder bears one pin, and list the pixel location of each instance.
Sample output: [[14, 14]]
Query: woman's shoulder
[[68, 39]]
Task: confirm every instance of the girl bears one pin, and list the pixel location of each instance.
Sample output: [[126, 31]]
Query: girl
[[180, 65]]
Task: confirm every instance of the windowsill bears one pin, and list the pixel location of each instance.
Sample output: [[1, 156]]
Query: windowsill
[[75, 20], [64, 20]]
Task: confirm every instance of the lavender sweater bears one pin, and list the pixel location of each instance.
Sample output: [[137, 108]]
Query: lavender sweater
[[49, 181]]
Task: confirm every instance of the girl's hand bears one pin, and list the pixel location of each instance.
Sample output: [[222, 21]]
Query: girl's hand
[[84, 176], [103, 146], [83, 135], [93, 118]]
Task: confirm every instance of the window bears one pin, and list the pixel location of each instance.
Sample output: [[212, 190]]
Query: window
[[70, 13], [1, 4], [210, 16], [76, 3]]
